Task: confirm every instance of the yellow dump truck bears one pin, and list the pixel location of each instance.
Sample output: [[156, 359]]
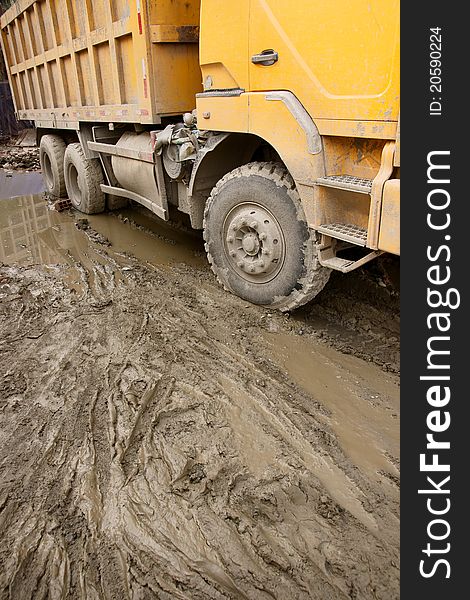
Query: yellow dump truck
[[273, 124]]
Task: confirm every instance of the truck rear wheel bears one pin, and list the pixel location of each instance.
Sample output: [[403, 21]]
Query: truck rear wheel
[[257, 239], [83, 179], [51, 156]]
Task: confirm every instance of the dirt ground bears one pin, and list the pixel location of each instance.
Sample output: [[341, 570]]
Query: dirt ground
[[162, 438], [16, 157]]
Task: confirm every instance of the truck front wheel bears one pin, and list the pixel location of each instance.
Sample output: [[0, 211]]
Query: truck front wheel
[[83, 179], [51, 157], [257, 239]]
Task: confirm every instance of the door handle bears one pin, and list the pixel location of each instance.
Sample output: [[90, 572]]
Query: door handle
[[265, 58]]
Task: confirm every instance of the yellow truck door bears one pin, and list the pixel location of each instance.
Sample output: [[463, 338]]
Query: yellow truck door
[[340, 58]]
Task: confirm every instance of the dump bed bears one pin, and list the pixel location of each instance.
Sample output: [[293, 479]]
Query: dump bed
[[101, 60]]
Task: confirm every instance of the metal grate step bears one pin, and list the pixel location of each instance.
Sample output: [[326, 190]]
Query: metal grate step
[[346, 182], [338, 264], [343, 231]]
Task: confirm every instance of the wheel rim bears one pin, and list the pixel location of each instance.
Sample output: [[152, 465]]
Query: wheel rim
[[47, 171], [253, 241], [74, 189]]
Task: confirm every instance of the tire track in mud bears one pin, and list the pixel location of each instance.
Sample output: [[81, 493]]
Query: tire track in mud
[[153, 449]]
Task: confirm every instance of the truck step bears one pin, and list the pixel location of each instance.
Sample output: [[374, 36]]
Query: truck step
[[344, 231], [346, 182], [338, 264], [343, 264]]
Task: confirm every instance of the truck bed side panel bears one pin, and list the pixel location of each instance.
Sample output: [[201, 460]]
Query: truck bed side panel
[[101, 60]]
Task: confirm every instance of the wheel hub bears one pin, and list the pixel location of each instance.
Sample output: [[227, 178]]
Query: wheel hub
[[75, 186], [47, 169], [251, 244], [254, 243]]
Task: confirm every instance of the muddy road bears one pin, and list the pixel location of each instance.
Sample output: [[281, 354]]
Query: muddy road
[[164, 439]]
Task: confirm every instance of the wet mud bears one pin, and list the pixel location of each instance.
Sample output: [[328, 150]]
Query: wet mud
[[164, 439], [13, 183], [15, 157]]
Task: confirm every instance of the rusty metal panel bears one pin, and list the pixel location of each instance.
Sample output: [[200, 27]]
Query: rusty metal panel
[[389, 238], [102, 60], [396, 160]]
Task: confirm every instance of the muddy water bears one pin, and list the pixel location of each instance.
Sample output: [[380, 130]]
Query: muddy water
[[163, 439], [18, 184], [364, 403], [32, 233]]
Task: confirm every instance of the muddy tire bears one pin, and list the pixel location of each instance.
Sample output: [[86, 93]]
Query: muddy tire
[[83, 179], [51, 156], [257, 240]]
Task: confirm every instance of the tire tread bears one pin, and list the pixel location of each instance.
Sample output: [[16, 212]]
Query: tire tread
[[93, 174], [315, 276], [56, 147]]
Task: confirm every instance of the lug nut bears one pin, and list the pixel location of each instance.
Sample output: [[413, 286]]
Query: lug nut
[[233, 253], [241, 265], [262, 237], [230, 239], [266, 251], [252, 269]]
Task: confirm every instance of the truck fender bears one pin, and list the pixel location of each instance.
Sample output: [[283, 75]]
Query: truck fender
[[222, 153]]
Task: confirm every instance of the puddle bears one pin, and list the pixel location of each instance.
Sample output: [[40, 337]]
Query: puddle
[[363, 402], [148, 238], [31, 233], [20, 184], [339, 486]]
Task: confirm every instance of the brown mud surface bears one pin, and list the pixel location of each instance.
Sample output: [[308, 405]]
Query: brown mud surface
[[162, 438], [18, 158]]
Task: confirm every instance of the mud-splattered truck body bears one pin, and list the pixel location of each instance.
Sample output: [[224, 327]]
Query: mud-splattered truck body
[[273, 124]]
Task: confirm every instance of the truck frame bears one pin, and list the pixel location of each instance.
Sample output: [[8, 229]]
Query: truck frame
[[274, 125]]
